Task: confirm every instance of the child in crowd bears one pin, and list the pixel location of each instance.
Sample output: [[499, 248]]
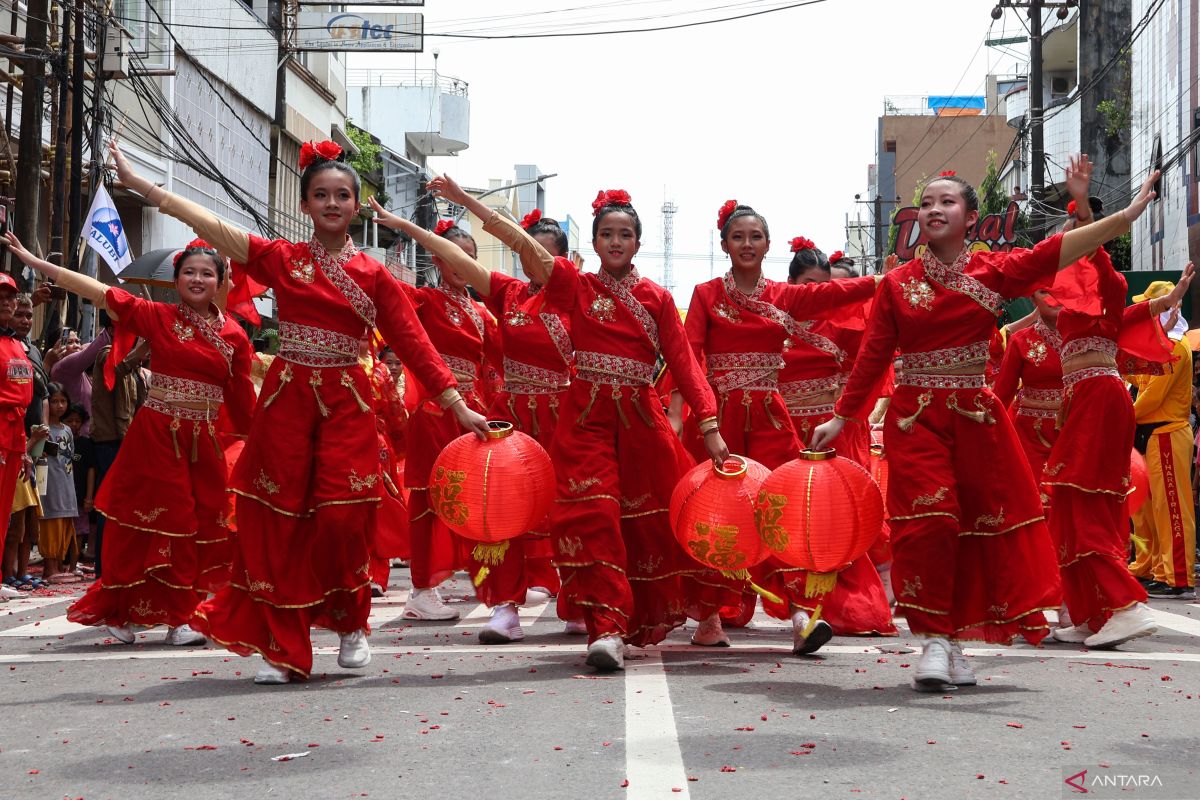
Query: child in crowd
[[56, 528], [83, 470]]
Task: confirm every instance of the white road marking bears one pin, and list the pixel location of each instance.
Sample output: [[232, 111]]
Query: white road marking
[[477, 617], [53, 626], [387, 609], [526, 614], [1175, 622], [653, 762]]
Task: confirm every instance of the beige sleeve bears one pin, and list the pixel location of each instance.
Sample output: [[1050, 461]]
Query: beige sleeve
[[536, 259], [457, 259], [82, 285], [229, 241]]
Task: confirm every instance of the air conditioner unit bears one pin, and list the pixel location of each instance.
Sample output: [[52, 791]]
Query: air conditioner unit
[[115, 61]]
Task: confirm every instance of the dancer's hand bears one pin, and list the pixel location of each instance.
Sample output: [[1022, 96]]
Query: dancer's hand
[[28, 258], [127, 175], [718, 451], [1079, 178], [890, 263], [471, 421], [1144, 196], [389, 220], [1181, 287], [447, 187], [824, 434]]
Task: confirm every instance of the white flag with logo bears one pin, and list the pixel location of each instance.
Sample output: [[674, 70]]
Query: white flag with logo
[[105, 234]]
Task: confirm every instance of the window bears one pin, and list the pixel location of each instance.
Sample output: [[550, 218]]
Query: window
[[149, 40], [889, 146], [1156, 162]]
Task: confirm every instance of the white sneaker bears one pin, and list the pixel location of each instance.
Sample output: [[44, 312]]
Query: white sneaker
[[575, 627], [1072, 634], [184, 636], [1123, 626], [9, 593], [933, 670], [710, 633], [354, 651], [607, 654], [536, 595], [961, 673], [271, 675], [816, 639], [123, 634], [427, 604], [503, 627]]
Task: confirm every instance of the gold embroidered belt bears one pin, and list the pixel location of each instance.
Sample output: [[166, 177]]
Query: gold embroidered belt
[[936, 361], [729, 372], [521, 378], [925, 380], [812, 406], [1072, 378], [316, 347], [612, 369], [463, 371], [1088, 344], [188, 412]]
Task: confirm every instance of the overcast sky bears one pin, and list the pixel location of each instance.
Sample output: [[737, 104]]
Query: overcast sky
[[778, 111]]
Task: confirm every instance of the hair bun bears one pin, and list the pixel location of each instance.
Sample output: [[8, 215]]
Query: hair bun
[[313, 152], [610, 197]]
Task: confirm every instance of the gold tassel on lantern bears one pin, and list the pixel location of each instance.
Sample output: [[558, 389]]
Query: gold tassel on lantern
[[480, 576], [490, 554], [744, 575], [819, 583], [812, 622]]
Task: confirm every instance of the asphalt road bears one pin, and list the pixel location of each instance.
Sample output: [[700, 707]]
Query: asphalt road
[[437, 714]]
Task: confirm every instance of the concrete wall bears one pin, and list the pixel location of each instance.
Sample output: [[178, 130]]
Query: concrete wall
[[1165, 99], [250, 65], [920, 156]]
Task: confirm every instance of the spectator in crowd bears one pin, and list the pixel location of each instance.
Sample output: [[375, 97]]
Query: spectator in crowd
[[56, 525], [83, 470]]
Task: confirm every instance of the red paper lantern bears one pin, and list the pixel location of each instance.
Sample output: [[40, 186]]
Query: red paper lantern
[[493, 490], [1139, 482], [712, 513], [819, 512]]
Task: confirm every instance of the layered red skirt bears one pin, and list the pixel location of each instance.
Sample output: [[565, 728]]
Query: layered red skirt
[[166, 539], [307, 488]]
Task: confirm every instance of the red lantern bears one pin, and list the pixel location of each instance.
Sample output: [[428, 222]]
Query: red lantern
[[492, 490], [1139, 482], [819, 512], [712, 513]]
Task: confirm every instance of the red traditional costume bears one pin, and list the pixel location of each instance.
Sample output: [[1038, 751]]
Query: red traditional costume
[[972, 555], [1087, 472], [1031, 372], [458, 329], [617, 459], [16, 393], [308, 480], [391, 538], [166, 543], [537, 362], [744, 341]]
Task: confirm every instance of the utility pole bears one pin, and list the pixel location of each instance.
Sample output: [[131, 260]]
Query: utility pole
[[29, 148], [58, 171], [878, 232], [75, 201], [1037, 148], [668, 212]]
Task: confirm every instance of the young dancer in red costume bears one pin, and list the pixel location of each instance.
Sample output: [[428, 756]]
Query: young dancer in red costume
[[307, 481], [1087, 472], [168, 547], [617, 459], [1031, 373], [973, 558], [740, 326], [537, 359]]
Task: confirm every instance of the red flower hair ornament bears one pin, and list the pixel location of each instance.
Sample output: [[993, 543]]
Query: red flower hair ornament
[[947, 173], [800, 243], [725, 213], [1071, 208], [610, 197], [194, 244], [531, 219], [312, 152], [443, 226], [837, 256]]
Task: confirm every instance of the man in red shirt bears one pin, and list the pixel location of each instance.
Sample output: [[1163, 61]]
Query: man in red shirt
[[16, 393]]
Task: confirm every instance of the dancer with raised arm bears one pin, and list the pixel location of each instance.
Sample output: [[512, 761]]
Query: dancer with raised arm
[[166, 544], [973, 556], [307, 481]]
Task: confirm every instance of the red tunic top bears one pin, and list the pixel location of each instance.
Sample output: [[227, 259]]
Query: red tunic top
[[458, 328], [942, 316], [1031, 364], [16, 393], [536, 342], [194, 360], [327, 304], [744, 340], [620, 327]]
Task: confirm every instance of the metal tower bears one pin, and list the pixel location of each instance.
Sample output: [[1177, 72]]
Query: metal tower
[[668, 212]]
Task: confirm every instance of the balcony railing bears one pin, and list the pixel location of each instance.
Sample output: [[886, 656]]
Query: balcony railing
[[415, 78]]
